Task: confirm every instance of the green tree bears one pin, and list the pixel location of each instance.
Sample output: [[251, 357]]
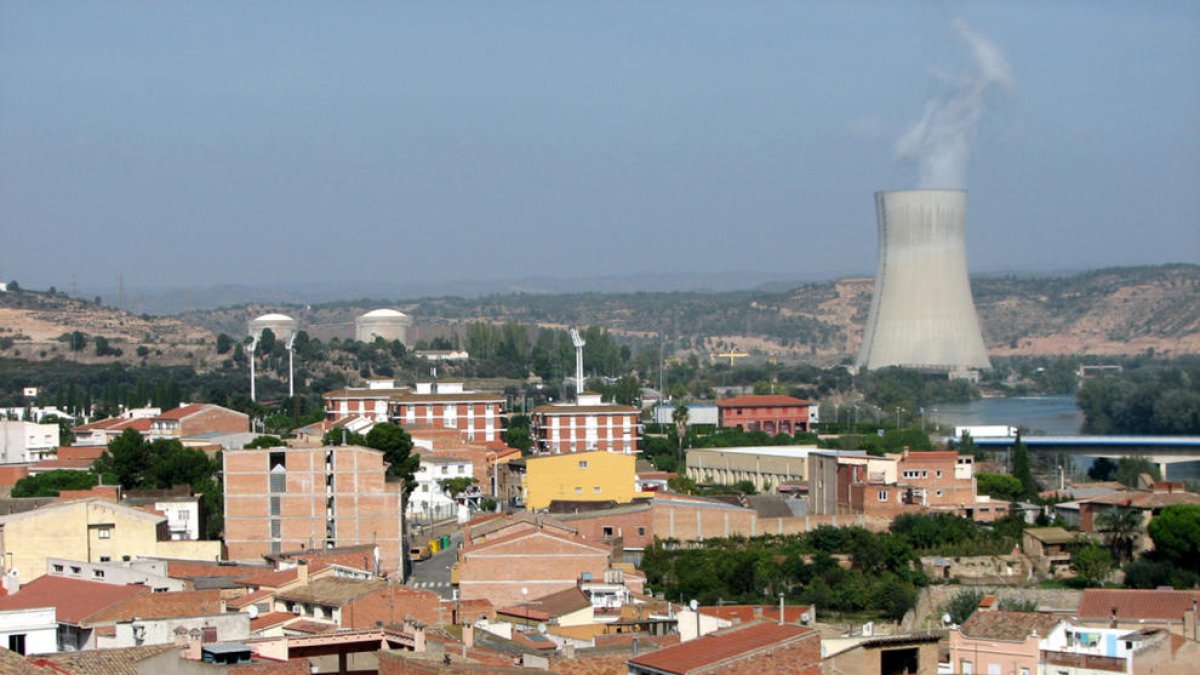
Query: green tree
[[1121, 527], [50, 483], [342, 436], [518, 434], [1176, 534], [679, 416], [224, 343], [457, 485], [1016, 604], [963, 605], [1092, 562], [1000, 486], [1023, 470], [265, 441], [126, 459], [1103, 469], [1130, 470], [397, 447]]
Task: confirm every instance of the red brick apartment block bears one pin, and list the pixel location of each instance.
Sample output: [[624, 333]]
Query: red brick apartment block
[[772, 413], [281, 499], [585, 426]]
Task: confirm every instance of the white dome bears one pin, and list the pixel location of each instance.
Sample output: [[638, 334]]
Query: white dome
[[381, 313], [274, 317]]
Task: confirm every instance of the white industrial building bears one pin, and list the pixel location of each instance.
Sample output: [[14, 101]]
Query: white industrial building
[[388, 324], [922, 313]]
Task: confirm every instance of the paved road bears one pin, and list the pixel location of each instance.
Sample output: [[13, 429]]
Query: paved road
[[434, 574]]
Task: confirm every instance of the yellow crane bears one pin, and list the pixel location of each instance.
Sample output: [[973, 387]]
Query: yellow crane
[[731, 355]]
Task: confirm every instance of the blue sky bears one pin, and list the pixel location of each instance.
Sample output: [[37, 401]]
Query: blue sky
[[205, 143]]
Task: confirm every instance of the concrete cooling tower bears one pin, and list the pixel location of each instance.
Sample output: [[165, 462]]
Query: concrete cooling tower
[[922, 315], [282, 325]]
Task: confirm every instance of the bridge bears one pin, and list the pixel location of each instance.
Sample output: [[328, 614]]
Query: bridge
[[1162, 450]]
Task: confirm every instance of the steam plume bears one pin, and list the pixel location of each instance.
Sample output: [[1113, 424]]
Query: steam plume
[[940, 142]]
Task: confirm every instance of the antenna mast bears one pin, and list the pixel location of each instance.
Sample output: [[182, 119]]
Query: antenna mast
[[291, 371], [579, 343], [250, 352]]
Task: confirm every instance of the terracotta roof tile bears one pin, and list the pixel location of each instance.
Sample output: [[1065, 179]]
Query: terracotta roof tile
[[191, 569], [1136, 605], [717, 647], [184, 411], [332, 590], [271, 578], [74, 599], [748, 613], [311, 627], [570, 409], [761, 400], [249, 599], [271, 619], [120, 661], [1011, 626], [161, 606]]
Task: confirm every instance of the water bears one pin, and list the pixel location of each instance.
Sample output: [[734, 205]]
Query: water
[[1042, 415]]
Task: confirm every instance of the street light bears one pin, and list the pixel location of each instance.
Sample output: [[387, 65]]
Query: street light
[[898, 409]]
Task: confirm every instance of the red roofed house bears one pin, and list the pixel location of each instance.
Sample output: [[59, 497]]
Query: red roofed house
[[198, 418], [754, 648], [1003, 642], [771, 413], [1148, 501], [75, 602], [1171, 610], [101, 432]]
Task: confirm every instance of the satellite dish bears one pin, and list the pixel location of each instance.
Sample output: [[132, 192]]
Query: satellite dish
[[946, 619], [542, 628], [805, 617], [252, 611], [693, 605]]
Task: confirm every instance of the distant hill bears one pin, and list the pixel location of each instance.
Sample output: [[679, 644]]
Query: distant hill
[[1114, 311], [1119, 311]]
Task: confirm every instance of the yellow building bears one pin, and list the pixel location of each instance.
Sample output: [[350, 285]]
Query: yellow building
[[90, 530], [579, 477]]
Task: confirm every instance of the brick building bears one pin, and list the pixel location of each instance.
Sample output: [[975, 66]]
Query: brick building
[[757, 648], [288, 498], [198, 418], [477, 415], [586, 425], [370, 402], [771, 413]]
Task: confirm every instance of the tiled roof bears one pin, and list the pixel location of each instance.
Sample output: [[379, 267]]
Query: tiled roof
[[311, 627], [761, 400], [1010, 626], [161, 606], [1141, 499], [550, 606], [748, 613], [191, 569], [74, 599], [272, 578], [1135, 605], [248, 599], [120, 661], [69, 464], [183, 411], [271, 619], [930, 455], [717, 647], [366, 393], [1050, 535], [568, 409], [332, 590], [466, 397]]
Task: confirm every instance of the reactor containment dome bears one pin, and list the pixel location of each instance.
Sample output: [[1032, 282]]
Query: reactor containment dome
[[388, 324], [922, 314], [282, 325]]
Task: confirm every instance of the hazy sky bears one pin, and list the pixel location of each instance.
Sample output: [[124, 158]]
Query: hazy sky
[[206, 143]]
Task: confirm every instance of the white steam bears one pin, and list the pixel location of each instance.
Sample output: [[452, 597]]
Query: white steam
[[940, 142]]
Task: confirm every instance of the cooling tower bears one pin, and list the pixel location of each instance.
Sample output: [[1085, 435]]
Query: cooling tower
[[382, 323], [922, 315]]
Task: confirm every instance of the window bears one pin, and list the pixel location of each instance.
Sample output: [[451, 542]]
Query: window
[[596, 490], [939, 473], [185, 514], [606, 531], [16, 643], [124, 558], [583, 464], [275, 528], [278, 481], [278, 460], [1024, 671], [105, 558], [274, 505], [99, 574], [104, 533], [641, 531], [58, 568], [578, 490], [208, 634], [939, 493], [883, 495], [76, 569], [967, 667]]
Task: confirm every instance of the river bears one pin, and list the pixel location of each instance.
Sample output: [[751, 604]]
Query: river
[[1041, 415]]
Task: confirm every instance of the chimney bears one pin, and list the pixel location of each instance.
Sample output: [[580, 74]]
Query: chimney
[[195, 640], [302, 571], [1112, 622], [468, 635]]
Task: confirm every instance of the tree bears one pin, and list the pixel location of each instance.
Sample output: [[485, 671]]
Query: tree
[[1130, 470], [1023, 470], [265, 441], [1121, 527], [457, 485], [126, 459], [680, 417], [224, 343], [963, 605], [518, 434], [1000, 486], [1176, 534], [1017, 604], [342, 436], [1103, 469], [50, 483], [1092, 563], [397, 447]]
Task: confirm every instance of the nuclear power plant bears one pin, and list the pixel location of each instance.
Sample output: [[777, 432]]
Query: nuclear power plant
[[388, 324], [922, 314]]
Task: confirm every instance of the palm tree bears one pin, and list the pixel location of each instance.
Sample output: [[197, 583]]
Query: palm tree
[[680, 417], [1123, 527]]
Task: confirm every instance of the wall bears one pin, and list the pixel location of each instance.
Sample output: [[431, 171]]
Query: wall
[[212, 419], [868, 659], [231, 626], [986, 655], [539, 562], [931, 600], [583, 476], [38, 625]]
